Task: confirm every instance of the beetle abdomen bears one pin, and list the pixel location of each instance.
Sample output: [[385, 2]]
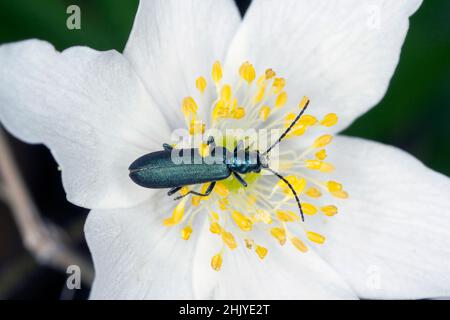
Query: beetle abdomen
[[157, 170]]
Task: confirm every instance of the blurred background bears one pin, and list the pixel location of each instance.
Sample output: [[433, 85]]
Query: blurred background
[[414, 116]]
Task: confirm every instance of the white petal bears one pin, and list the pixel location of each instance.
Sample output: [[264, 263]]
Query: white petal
[[285, 273], [89, 108], [173, 42], [340, 53], [136, 257], [390, 238]]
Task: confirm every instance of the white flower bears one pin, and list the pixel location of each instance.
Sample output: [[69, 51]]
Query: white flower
[[99, 111]]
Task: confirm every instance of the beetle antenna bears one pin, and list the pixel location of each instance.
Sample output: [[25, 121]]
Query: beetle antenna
[[292, 189], [303, 105]]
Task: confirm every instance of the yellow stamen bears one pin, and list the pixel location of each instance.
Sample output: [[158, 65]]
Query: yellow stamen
[[281, 99], [308, 120], [309, 209], [203, 150], [247, 72], [329, 210], [221, 189], [299, 244], [200, 84], [223, 204], [340, 194], [334, 186], [322, 141], [177, 214], [321, 155], [184, 191], [226, 93], [238, 113], [329, 120], [269, 74], [189, 106], [264, 112], [259, 95], [217, 72], [197, 127], [315, 237], [298, 185], [278, 85], [214, 215], [287, 216], [261, 251], [303, 102], [215, 228], [279, 234], [186, 232], [313, 192], [216, 262], [228, 239], [243, 222]]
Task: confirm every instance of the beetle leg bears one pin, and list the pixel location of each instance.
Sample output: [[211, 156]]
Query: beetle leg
[[240, 179], [207, 192], [167, 147], [173, 190]]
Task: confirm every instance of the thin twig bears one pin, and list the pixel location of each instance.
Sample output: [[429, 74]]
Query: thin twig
[[44, 241]]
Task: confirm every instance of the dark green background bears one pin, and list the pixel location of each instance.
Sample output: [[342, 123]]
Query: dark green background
[[414, 115]]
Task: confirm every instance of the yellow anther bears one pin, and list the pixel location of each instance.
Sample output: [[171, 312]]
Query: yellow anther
[[177, 214], [326, 167], [340, 194], [279, 234], [309, 209], [226, 93], [287, 216], [238, 113], [321, 155], [243, 222], [264, 112], [203, 150], [303, 102], [215, 228], [264, 216], [313, 192], [334, 186], [221, 109], [269, 74], [228, 239], [223, 204], [322, 141], [278, 85], [196, 201], [200, 84], [259, 95], [217, 72], [281, 99], [329, 210], [184, 191], [247, 72], [216, 262], [298, 244], [329, 120], [298, 185], [313, 164], [249, 243], [308, 120], [197, 127], [189, 106], [261, 80], [214, 215], [261, 251], [221, 189], [186, 232], [315, 237]]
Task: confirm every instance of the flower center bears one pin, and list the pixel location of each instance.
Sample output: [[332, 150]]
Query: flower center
[[239, 215]]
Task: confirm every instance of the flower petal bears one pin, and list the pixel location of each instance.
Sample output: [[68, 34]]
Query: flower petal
[[341, 54], [89, 108], [136, 257], [173, 42], [390, 238], [285, 273]]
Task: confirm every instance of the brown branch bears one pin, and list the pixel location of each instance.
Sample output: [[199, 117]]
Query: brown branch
[[43, 240]]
